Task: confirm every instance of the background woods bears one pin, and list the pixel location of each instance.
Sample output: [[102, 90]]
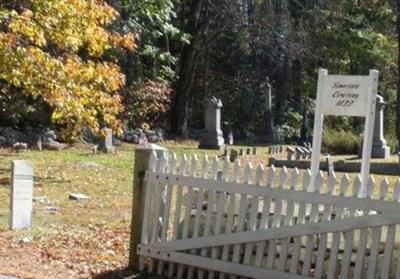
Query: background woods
[[173, 54]]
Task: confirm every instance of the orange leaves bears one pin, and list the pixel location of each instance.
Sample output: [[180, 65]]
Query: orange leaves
[[127, 41], [81, 92], [150, 101]]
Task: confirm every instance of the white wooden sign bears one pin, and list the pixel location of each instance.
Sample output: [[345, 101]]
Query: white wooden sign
[[345, 96]]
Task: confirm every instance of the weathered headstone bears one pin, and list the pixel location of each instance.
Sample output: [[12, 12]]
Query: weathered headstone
[[329, 162], [233, 155], [230, 138], [39, 144], [78, 196], [212, 135], [106, 144], [21, 195], [268, 133], [379, 146]]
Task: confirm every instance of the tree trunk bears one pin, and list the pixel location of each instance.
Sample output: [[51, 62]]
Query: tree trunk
[[398, 73], [188, 67]]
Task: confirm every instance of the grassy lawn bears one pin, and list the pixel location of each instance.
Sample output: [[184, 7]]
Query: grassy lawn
[[71, 239], [78, 239]]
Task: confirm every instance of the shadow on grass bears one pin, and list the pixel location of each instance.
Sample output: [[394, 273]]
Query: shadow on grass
[[353, 158], [125, 274], [5, 182]]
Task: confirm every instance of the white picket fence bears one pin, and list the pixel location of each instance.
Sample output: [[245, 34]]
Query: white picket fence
[[203, 222]]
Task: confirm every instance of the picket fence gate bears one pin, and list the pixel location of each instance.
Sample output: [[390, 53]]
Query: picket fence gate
[[203, 222]]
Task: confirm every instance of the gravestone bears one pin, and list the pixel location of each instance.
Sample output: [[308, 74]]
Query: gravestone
[[230, 138], [39, 144], [329, 162], [212, 136], [106, 144], [233, 155], [21, 195], [379, 146], [268, 133]]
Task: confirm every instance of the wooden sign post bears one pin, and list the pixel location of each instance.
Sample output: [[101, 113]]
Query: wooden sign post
[[345, 96]]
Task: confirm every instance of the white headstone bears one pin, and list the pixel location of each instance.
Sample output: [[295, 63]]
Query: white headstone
[[106, 144], [21, 195]]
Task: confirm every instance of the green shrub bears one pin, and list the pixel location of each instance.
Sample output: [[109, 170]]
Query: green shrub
[[340, 142], [392, 143]]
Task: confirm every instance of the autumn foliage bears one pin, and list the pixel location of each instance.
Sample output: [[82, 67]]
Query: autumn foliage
[[53, 49], [146, 104]]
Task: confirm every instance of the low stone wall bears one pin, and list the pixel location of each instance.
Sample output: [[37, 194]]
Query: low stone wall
[[339, 166]]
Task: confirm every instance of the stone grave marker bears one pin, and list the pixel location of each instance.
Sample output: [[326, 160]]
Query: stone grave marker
[[106, 144], [230, 138], [21, 195], [379, 144], [248, 151], [233, 155], [329, 162], [212, 136]]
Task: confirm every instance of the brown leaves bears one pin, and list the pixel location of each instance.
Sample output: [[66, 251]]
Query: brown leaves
[[80, 253]]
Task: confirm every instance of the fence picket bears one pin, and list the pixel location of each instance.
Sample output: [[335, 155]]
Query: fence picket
[[376, 235], [220, 212], [165, 219], [231, 213], [242, 213], [188, 209], [331, 274], [300, 220], [313, 218], [288, 222], [362, 244], [199, 209], [210, 209], [390, 237], [252, 224], [264, 218], [178, 206], [158, 200], [276, 220], [349, 235], [323, 239]]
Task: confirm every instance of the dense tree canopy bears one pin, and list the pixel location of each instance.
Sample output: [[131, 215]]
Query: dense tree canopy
[[68, 59], [238, 45], [51, 49]]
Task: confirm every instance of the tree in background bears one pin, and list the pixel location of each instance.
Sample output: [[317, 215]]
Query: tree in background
[[150, 70], [52, 50], [287, 41]]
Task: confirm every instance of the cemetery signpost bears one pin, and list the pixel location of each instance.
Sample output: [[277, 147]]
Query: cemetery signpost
[[342, 95]]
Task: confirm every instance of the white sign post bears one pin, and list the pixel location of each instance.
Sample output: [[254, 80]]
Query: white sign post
[[345, 96]]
